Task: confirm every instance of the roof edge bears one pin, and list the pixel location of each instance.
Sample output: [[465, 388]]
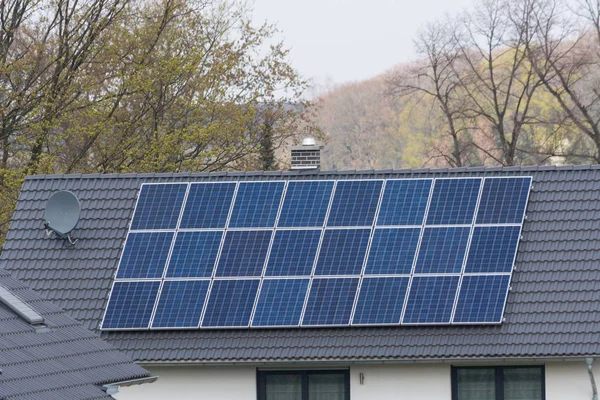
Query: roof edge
[[530, 168]]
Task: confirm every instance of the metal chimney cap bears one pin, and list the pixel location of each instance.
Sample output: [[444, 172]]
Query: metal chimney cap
[[309, 142]]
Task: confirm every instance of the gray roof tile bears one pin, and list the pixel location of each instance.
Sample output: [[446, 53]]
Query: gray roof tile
[[553, 309]]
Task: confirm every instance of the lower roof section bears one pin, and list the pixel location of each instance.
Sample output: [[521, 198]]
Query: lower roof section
[[553, 308]]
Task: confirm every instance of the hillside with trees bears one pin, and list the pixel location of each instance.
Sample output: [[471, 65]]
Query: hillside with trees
[[508, 83]]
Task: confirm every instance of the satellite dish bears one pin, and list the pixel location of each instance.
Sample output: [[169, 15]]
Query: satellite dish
[[62, 214]]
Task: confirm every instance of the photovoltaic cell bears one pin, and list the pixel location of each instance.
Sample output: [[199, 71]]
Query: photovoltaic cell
[[158, 206], [393, 251], [342, 251], [493, 249], [280, 302], [442, 250], [130, 305], [180, 304], [305, 204], [243, 253], [481, 298], [230, 303], [293, 252], [453, 201], [503, 200], [354, 203], [330, 301], [194, 254], [256, 204], [380, 300], [431, 299], [404, 202], [145, 255], [207, 205]]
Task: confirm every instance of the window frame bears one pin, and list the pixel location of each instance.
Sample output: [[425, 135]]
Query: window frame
[[499, 378], [261, 380]]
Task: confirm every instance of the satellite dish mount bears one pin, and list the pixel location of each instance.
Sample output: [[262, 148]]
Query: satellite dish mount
[[62, 214]]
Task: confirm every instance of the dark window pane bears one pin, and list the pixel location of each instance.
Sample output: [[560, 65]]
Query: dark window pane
[[326, 387], [522, 383], [283, 387], [476, 384]]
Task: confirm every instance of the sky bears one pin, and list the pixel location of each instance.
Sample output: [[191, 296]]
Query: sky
[[337, 41]]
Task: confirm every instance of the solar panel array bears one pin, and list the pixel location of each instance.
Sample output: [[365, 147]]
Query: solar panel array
[[319, 253]]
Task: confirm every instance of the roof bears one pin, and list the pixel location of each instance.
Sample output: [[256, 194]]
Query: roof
[[553, 309], [58, 359]]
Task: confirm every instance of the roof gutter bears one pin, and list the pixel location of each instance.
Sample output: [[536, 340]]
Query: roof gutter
[[483, 360], [113, 388]]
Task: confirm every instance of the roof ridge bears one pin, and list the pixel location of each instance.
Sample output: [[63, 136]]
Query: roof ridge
[[527, 168]]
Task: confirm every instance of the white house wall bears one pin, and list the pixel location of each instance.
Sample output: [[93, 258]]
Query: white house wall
[[564, 380]]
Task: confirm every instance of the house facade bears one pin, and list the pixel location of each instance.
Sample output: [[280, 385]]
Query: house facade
[[541, 349]]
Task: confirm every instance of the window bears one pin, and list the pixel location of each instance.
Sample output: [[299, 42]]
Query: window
[[304, 385], [498, 383]]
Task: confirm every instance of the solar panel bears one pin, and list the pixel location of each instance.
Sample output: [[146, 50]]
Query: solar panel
[[393, 250], [207, 205], [481, 298], [293, 252], [130, 305], [380, 301], [230, 303], [244, 253], [158, 206], [330, 301], [404, 202], [442, 250], [319, 253], [354, 203], [342, 252], [180, 304], [453, 201], [493, 249], [256, 204], [194, 254], [430, 299], [305, 204], [145, 255], [280, 302]]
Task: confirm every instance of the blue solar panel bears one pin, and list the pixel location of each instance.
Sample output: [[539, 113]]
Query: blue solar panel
[[194, 254], [130, 305], [481, 298], [453, 201], [145, 255], [354, 203], [404, 202], [180, 304], [380, 301], [207, 205], [431, 299], [159, 206], [293, 252], [305, 204], [330, 301], [442, 250], [244, 253], [256, 205], [342, 251], [230, 303], [280, 302], [493, 249], [503, 200], [393, 251]]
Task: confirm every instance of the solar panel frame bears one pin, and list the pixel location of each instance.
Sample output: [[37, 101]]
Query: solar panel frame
[[111, 297], [276, 228]]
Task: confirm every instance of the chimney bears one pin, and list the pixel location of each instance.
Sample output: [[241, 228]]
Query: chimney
[[307, 155]]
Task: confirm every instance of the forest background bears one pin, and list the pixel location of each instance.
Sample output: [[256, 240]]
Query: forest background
[[114, 86]]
